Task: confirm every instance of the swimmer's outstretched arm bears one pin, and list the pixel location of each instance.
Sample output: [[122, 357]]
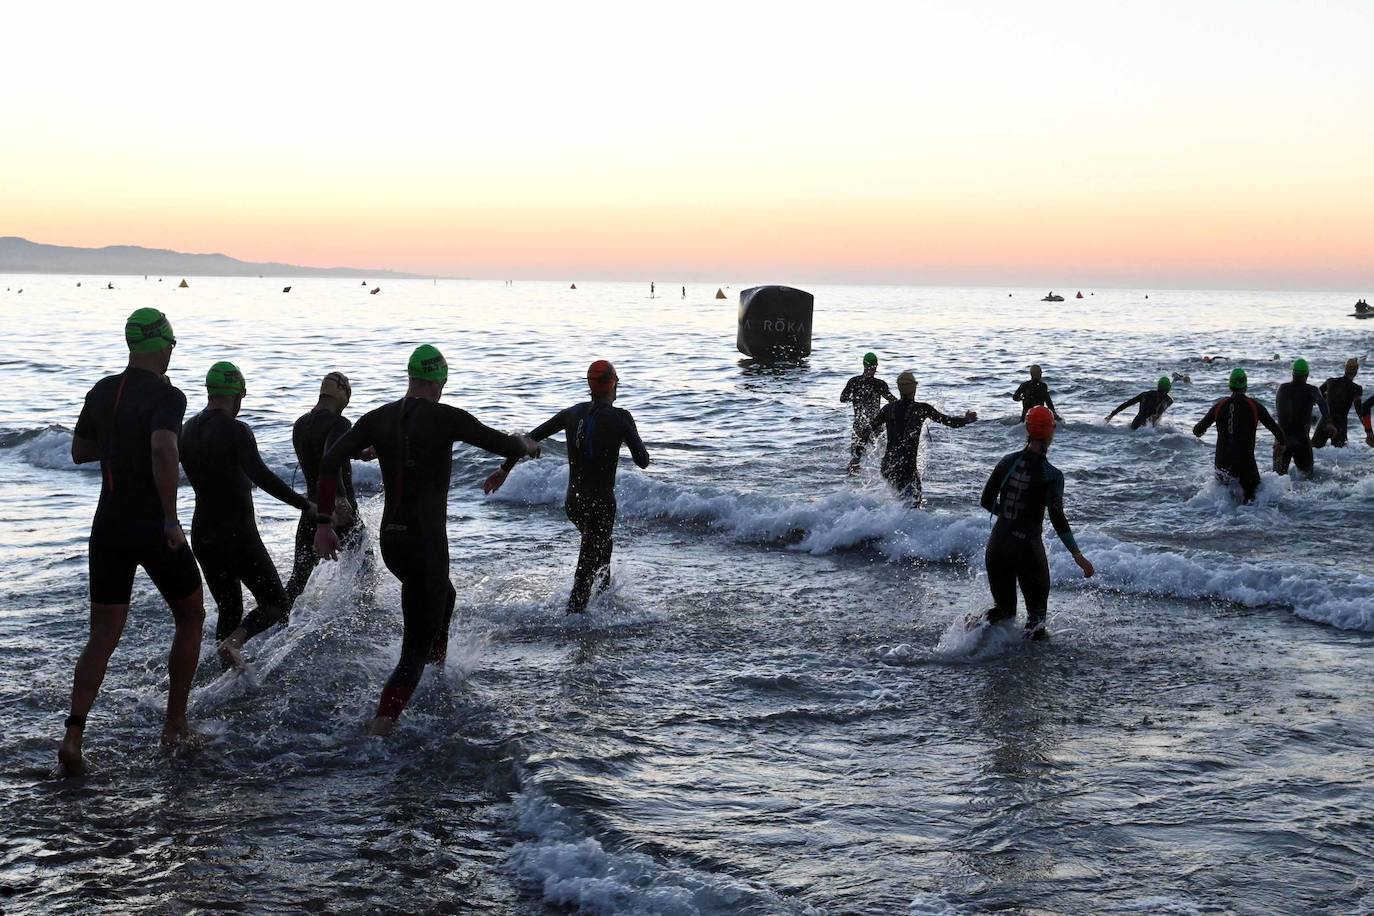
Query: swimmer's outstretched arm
[[1124, 405], [1207, 420]]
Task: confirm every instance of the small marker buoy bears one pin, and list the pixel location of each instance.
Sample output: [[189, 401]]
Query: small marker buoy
[[1080, 295], [720, 294], [375, 291], [364, 283], [183, 284], [574, 286]]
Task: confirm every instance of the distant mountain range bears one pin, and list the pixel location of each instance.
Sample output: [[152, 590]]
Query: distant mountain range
[[20, 256]]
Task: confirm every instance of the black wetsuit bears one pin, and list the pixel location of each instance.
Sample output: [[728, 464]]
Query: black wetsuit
[[1341, 394], [413, 439], [1020, 490], [1294, 404], [120, 415], [1237, 419], [594, 433], [1152, 403], [868, 393], [1033, 393], [312, 436], [222, 463], [904, 420]]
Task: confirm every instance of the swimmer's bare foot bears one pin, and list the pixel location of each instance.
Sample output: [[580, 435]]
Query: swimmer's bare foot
[[381, 726], [70, 762], [231, 654], [182, 735]]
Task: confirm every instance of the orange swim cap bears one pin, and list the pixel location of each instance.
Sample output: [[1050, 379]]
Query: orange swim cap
[[601, 377], [1039, 423]]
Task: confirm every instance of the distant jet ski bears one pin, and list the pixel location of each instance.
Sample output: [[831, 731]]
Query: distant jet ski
[[1052, 298]]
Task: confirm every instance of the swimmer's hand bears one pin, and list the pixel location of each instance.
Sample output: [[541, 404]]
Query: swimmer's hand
[[493, 483], [1084, 565], [176, 538], [367, 454], [970, 415], [532, 447], [326, 542]]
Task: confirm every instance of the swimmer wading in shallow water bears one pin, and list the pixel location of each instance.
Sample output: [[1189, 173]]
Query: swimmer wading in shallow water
[[129, 423], [904, 420], [1294, 403], [222, 463], [1341, 394], [311, 436], [1237, 419], [1020, 490], [413, 440], [867, 392], [1152, 404], [594, 430]]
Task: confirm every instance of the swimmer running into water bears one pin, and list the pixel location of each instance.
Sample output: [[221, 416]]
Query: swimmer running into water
[[1035, 393], [904, 420], [129, 423], [222, 463], [867, 392], [1341, 394], [1294, 404], [1237, 419], [1021, 489], [594, 431], [413, 439]]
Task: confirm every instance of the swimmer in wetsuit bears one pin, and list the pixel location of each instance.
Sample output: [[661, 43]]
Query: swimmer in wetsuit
[[220, 456], [867, 392], [1035, 393], [1237, 419], [413, 439], [1341, 394], [311, 437], [594, 430], [903, 421], [1152, 404], [1294, 404], [129, 423], [1020, 490]]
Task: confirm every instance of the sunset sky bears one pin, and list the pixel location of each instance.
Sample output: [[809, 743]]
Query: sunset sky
[[1172, 143]]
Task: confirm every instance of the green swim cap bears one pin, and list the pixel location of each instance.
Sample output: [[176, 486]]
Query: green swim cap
[[148, 331], [224, 380], [870, 359], [427, 364], [1300, 366], [1165, 383], [1239, 380]]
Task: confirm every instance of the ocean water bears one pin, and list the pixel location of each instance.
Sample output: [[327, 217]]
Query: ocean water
[[774, 709]]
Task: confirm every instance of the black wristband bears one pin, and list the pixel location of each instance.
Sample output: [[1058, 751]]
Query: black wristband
[[75, 722]]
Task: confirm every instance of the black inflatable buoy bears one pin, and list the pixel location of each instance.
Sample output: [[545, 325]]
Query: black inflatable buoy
[[775, 323], [286, 289], [375, 291]]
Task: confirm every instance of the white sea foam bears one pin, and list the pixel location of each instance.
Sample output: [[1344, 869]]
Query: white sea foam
[[849, 519]]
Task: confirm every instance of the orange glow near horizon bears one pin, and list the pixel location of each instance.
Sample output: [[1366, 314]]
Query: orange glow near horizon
[[921, 144]]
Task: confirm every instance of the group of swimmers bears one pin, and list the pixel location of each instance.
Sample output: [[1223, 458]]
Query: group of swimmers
[[1024, 485], [132, 424]]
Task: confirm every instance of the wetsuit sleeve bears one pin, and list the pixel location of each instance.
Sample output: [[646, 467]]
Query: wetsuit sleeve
[[848, 394], [1207, 420], [461, 426], [932, 414], [878, 420], [1269, 423], [250, 460], [1054, 504], [884, 390], [1020, 391], [1322, 406], [170, 411], [350, 443], [85, 422], [1049, 402], [1125, 404], [994, 484], [346, 469], [636, 444], [541, 432]]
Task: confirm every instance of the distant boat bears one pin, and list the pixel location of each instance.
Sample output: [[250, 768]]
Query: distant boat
[[183, 284], [375, 291], [109, 286], [286, 289]]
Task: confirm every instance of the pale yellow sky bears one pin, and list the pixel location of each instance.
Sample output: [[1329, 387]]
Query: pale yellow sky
[[1221, 143]]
